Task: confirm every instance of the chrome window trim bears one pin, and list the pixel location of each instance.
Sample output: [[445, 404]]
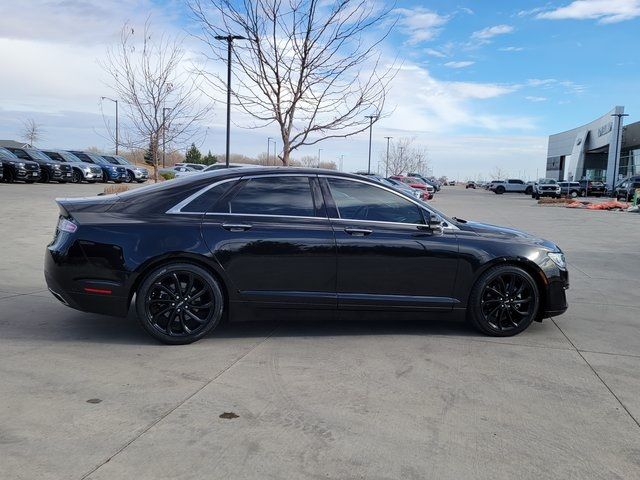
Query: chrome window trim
[[177, 209], [448, 226]]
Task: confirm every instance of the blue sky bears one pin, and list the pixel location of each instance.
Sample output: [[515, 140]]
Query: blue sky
[[482, 83]]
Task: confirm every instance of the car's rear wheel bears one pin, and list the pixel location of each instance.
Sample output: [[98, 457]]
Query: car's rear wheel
[[528, 190], [500, 190], [179, 303], [504, 301]]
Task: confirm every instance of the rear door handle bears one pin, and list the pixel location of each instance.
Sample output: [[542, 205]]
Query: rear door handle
[[358, 232], [236, 227]]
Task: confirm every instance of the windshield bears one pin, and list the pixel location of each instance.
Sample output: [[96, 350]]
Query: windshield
[[6, 154], [69, 157], [33, 153], [547, 181], [121, 160]]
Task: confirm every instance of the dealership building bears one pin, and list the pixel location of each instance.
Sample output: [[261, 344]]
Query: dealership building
[[603, 149]]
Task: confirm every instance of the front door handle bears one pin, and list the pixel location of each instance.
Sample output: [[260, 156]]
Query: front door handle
[[236, 227], [358, 232]]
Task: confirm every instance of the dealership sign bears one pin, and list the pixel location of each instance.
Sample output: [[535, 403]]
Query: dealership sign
[[603, 130]]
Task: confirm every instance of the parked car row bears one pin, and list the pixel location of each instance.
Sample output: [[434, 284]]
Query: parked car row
[[31, 165]]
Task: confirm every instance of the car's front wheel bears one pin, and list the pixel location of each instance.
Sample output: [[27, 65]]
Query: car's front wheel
[[504, 301], [130, 177], [77, 176], [179, 303]]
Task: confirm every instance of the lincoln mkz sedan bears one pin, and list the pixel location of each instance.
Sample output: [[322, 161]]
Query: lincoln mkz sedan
[[189, 251]]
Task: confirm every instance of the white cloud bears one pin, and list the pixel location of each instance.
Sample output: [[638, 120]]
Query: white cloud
[[435, 53], [605, 11], [490, 32], [421, 24], [462, 64], [511, 49], [532, 98]]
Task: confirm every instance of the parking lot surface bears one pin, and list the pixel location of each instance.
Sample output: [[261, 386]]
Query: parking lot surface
[[306, 396]]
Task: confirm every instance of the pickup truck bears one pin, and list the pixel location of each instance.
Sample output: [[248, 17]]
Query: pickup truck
[[511, 185], [546, 187]]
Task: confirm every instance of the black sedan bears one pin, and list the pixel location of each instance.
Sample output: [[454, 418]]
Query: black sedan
[[192, 250]]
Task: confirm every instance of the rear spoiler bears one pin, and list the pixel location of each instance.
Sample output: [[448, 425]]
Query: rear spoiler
[[69, 206]]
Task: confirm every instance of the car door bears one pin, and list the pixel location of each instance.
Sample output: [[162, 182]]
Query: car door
[[387, 256], [272, 236]]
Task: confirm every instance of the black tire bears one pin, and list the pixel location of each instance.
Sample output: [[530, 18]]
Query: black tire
[[8, 176], [140, 181], [130, 177], [494, 308], [179, 303], [117, 181], [44, 177], [528, 190], [536, 196], [500, 190], [105, 179], [77, 176]]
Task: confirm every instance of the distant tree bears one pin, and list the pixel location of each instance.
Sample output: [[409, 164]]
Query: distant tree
[[309, 161], [32, 132], [155, 92], [498, 173], [209, 159], [328, 165], [193, 155], [404, 157]]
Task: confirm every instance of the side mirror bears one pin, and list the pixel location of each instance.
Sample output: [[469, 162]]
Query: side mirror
[[433, 222]]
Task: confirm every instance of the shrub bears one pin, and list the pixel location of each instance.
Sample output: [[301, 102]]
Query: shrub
[[168, 175]]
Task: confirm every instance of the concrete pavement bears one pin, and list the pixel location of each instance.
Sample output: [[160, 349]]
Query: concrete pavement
[[89, 396]]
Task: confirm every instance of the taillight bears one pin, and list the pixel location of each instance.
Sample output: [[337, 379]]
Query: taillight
[[68, 226]]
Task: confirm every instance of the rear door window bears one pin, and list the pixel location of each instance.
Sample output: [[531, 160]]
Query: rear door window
[[274, 196]]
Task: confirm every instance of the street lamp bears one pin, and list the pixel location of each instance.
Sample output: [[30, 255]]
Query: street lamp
[[386, 167], [341, 161], [615, 152], [371, 118], [268, 148], [319, 150], [229, 39], [116, 102]]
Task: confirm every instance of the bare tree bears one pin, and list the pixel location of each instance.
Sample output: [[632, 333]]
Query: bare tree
[[310, 66], [405, 157], [158, 96], [32, 132], [309, 161], [498, 173]]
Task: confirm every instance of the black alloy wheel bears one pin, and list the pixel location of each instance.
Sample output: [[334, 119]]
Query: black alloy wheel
[[504, 301], [44, 176], [500, 190], [77, 176], [130, 177], [179, 303]]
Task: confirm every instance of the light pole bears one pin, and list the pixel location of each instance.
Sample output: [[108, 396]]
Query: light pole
[[341, 161], [319, 150], [268, 148], [386, 166], [371, 118], [615, 152], [116, 102], [229, 39], [164, 127]]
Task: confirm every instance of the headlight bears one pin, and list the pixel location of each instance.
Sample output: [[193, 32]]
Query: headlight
[[558, 259], [18, 164], [54, 165]]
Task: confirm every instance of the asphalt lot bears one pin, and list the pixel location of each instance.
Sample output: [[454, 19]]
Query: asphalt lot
[[88, 396]]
